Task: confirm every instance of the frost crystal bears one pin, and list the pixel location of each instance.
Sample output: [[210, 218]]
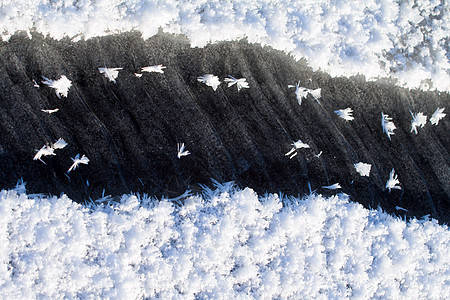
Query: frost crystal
[[400, 208], [49, 149], [104, 199], [210, 80], [296, 145], [61, 86], [181, 151], [387, 124], [110, 73], [362, 168], [318, 154], [302, 92], [154, 69], [59, 144], [438, 115], [392, 182], [50, 111], [241, 83], [77, 160], [419, 120], [345, 114], [44, 151], [317, 94], [332, 187], [299, 144]]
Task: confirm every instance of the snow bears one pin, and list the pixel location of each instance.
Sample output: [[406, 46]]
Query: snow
[[404, 40], [226, 243]]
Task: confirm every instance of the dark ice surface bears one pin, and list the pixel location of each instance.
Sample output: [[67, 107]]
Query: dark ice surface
[[130, 130]]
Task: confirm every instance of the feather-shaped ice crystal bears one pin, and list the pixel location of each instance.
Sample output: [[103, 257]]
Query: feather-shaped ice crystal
[[362, 168], [317, 94], [437, 115], [299, 144], [181, 151], [154, 69], [49, 149], [77, 160], [419, 120], [345, 114], [61, 86], [44, 151], [210, 80], [50, 111], [387, 124], [296, 145], [332, 187], [104, 199], [241, 83], [392, 182], [59, 144], [400, 208], [302, 92], [318, 154], [110, 73]]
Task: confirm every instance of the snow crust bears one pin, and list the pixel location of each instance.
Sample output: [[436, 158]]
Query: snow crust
[[224, 244], [405, 40]]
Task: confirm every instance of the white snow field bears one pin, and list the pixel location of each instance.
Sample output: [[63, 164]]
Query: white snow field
[[407, 41], [224, 244]]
